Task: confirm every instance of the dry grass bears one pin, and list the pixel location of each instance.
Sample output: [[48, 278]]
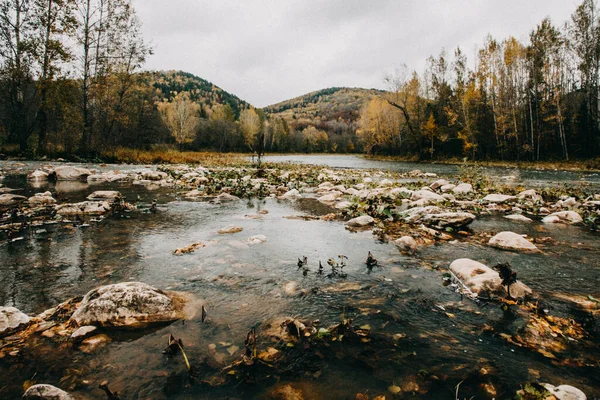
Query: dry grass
[[171, 156]]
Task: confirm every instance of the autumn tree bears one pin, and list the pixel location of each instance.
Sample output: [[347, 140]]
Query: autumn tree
[[181, 116], [251, 127]]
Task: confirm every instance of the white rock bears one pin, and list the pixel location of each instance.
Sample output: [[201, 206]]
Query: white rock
[[46, 392], [415, 215], [42, 199], [229, 229], [38, 176], [498, 198], [439, 183], [128, 304], [402, 192], [256, 239], [518, 217], [343, 205], [530, 194], [293, 194], [154, 175], [447, 188], [448, 220], [227, 197], [512, 241], [12, 320], [363, 220], [351, 191], [415, 172], [565, 392], [463, 188], [426, 196], [107, 177], [566, 217], [328, 198], [430, 175], [83, 332], [84, 208], [481, 278], [68, 173], [406, 244], [385, 182], [110, 195]]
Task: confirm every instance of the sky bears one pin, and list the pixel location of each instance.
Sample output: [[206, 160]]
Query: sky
[[266, 51]]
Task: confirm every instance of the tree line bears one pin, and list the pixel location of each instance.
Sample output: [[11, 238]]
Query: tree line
[[516, 101]]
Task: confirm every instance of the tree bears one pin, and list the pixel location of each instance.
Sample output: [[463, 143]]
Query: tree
[[182, 118], [251, 127]]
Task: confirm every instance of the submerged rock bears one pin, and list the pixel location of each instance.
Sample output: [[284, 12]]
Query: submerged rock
[[128, 305], [69, 173], [512, 241], [230, 229], [565, 217], [110, 195], [565, 392], [12, 320], [480, 278], [257, 239], [362, 221], [227, 197], [46, 392], [84, 208], [406, 244]]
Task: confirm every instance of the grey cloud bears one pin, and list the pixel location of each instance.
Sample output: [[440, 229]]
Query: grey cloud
[[266, 51]]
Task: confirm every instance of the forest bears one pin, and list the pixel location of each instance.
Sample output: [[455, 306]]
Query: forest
[[72, 82]]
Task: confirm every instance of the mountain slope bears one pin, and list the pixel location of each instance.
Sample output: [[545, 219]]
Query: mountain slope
[[327, 104], [200, 90]]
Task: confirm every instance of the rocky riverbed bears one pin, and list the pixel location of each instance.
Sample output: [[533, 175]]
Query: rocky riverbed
[[412, 283]]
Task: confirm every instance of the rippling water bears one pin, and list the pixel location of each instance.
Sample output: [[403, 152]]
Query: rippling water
[[242, 287]]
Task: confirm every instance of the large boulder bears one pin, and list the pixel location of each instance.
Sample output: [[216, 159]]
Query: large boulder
[[498, 198], [46, 392], [480, 278], [8, 199], [416, 214], [127, 305], [69, 173], [12, 320], [84, 208], [512, 241], [362, 221], [564, 217], [426, 196], [109, 195], [42, 199], [448, 220]]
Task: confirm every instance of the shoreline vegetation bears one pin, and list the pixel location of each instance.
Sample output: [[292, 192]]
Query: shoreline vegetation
[[173, 156]]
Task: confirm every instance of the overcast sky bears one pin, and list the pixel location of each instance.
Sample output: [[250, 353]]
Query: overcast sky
[[266, 51]]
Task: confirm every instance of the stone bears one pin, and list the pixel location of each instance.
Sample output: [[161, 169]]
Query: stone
[[256, 239], [415, 173], [343, 205], [193, 194], [362, 221], [406, 244], [83, 332], [108, 177], [448, 220], [328, 198], [110, 195], [480, 278], [293, 194], [41, 199], [530, 194], [12, 320], [94, 343], [439, 183], [427, 196], [518, 217], [84, 208], [227, 197], [8, 199], [46, 392], [38, 176], [463, 188], [498, 198], [447, 188], [285, 392], [565, 217], [416, 214], [127, 305], [565, 392], [430, 175], [154, 175], [385, 183], [230, 229], [512, 241], [69, 173]]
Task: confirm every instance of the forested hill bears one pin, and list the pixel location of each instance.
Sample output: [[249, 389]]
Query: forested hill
[[199, 90], [327, 104]]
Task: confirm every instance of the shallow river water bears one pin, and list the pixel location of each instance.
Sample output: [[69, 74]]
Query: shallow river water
[[440, 339]]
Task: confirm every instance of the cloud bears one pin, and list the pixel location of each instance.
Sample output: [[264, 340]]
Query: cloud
[[266, 51]]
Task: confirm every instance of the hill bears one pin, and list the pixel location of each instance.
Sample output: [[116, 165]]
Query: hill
[[332, 104], [200, 90]]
